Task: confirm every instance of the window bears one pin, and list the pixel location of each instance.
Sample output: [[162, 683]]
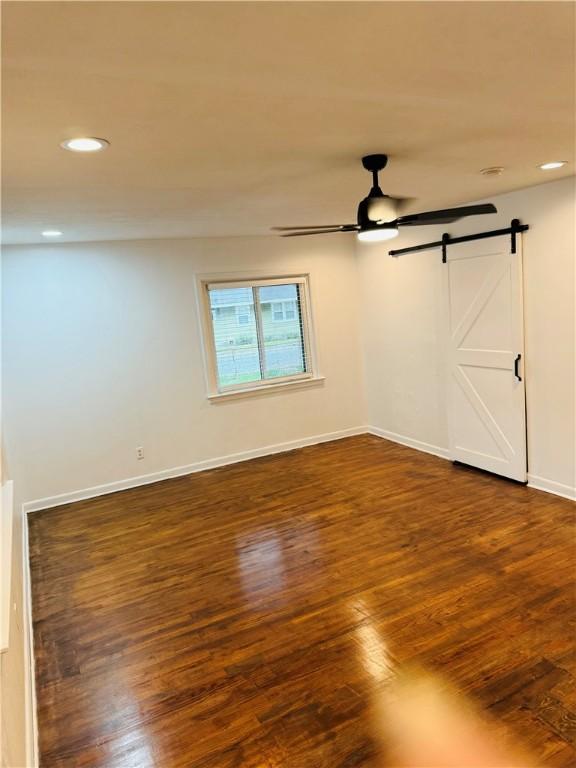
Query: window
[[257, 333]]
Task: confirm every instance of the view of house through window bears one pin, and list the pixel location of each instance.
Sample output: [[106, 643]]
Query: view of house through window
[[259, 332]]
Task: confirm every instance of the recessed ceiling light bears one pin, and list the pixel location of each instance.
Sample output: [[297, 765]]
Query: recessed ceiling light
[[552, 165], [494, 170], [85, 144], [51, 233]]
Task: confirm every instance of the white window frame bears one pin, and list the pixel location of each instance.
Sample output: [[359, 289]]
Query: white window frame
[[310, 376]]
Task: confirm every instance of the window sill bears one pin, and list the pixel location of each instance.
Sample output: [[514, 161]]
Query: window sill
[[266, 389]]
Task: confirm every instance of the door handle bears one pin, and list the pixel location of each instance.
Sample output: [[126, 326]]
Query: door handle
[[516, 367]]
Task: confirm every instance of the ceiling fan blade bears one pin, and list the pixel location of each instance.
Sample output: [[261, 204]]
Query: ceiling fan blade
[[309, 226], [445, 216], [343, 228]]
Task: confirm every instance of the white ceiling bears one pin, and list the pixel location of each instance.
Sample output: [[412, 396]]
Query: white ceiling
[[226, 118]]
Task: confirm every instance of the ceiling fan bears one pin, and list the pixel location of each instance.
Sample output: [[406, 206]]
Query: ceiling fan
[[373, 222]]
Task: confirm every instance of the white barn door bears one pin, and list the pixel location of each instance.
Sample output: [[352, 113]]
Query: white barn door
[[485, 355]]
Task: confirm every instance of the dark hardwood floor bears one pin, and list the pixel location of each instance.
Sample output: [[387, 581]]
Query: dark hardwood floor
[[247, 616]]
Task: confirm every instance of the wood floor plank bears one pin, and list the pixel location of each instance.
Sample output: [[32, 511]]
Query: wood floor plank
[[249, 615]]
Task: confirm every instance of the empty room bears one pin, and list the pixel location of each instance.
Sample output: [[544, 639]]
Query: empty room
[[288, 385]]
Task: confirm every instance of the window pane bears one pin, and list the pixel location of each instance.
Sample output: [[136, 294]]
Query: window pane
[[235, 337], [284, 353]]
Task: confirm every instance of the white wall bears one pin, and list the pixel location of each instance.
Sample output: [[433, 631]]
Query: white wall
[[102, 348], [402, 327], [103, 354]]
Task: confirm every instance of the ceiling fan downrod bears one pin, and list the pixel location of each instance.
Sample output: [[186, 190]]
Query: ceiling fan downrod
[[375, 164]]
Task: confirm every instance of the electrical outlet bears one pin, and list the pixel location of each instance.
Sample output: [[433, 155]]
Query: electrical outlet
[[140, 453]]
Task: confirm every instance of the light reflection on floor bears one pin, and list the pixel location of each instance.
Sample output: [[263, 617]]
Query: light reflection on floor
[[376, 657], [261, 565], [268, 561]]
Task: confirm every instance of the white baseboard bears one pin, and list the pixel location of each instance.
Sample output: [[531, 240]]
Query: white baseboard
[[200, 466], [539, 483], [410, 442], [550, 486], [31, 723]]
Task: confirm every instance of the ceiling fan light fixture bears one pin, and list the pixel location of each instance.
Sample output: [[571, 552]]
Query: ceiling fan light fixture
[[377, 235]]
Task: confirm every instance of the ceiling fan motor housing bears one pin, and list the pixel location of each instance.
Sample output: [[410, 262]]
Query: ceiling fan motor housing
[[376, 208]]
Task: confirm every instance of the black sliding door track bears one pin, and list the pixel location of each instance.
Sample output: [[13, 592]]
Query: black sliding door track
[[514, 228]]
